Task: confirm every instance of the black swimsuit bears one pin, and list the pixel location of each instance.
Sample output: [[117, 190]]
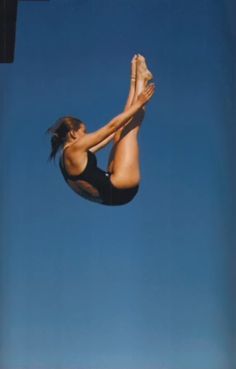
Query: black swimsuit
[[94, 184]]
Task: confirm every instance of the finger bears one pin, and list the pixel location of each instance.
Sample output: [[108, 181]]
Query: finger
[[148, 95], [149, 89], [151, 92], [151, 85]]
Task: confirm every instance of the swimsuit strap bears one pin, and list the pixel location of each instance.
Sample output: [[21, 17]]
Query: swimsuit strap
[[91, 162]]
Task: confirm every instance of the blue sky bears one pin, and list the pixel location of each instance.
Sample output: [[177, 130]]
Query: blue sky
[[141, 286]]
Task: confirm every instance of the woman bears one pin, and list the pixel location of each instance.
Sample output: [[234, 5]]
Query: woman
[[119, 184]]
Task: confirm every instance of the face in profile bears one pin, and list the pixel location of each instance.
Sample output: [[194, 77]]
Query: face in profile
[[81, 131], [83, 128]]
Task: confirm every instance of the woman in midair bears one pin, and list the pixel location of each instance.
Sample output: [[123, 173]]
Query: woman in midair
[[120, 183]]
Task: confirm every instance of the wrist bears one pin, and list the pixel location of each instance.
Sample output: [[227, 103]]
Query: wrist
[[138, 104]]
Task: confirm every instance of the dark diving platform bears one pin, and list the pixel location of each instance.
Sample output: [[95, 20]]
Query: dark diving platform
[[8, 24]]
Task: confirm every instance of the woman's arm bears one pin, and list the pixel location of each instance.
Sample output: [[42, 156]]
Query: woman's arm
[[103, 143], [127, 105], [92, 139]]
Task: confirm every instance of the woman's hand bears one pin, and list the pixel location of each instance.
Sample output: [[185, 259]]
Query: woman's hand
[[146, 94], [91, 139]]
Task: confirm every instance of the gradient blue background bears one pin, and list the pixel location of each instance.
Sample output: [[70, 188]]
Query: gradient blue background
[[141, 286]]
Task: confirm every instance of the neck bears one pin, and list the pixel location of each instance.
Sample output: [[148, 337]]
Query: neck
[[69, 143]]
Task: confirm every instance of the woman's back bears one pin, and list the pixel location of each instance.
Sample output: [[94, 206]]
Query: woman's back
[[89, 183]]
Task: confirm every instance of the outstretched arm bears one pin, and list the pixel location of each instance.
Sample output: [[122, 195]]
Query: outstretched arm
[[102, 144], [129, 101], [92, 139]]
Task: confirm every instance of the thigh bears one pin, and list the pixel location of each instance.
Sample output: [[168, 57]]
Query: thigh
[[126, 167], [121, 133], [111, 158]]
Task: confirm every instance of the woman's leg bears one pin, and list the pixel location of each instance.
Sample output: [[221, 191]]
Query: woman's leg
[[131, 99], [127, 105], [126, 166]]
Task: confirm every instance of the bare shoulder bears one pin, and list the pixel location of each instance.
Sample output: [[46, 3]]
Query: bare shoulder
[[75, 159]]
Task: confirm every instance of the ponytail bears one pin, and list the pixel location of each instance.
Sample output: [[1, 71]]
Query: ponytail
[[56, 142]]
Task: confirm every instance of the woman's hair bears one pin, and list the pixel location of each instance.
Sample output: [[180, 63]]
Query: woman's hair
[[59, 133]]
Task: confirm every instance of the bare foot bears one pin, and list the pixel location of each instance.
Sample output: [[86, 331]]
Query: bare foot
[[143, 69]]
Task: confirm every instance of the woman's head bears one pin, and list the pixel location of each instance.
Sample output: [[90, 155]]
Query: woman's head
[[61, 130]]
